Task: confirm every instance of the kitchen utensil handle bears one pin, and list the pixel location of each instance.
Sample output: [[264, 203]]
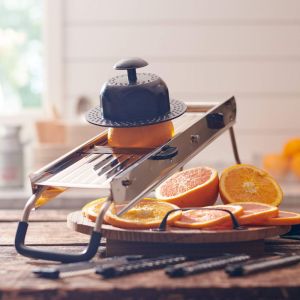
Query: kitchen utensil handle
[[130, 63], [261, 266], [86, 255]]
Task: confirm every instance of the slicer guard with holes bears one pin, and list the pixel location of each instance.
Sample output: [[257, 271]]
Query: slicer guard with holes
[[131, 173]]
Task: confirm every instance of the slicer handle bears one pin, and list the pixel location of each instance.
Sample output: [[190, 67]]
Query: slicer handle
[[130, 64], [86, 255]]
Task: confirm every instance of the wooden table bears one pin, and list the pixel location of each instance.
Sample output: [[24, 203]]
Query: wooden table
[[48, 229]]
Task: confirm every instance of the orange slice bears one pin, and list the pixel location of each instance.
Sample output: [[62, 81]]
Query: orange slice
[[283, 218], [207, 218], [190, 188], [92, 209], [150, 136], [148, 213], [245, 183], [253, 211]]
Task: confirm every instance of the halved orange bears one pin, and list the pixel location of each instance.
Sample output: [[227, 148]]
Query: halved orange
[[292, 147], [295, 165], [253, 212], [276, 164], [207, 218], [150, 136], [246, 183], [190, 188], [283, 218], [92, 209], [148, 213]]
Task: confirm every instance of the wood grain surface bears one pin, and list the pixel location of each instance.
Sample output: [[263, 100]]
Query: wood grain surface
[[17, 281], [79, 223]]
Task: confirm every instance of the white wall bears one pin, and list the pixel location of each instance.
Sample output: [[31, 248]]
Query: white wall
[[204, 50]]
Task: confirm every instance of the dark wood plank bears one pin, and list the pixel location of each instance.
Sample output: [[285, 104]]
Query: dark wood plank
[[13, 215], [17, 282], [42, 233], [282, 245]]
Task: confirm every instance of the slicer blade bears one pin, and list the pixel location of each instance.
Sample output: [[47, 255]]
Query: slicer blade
[[131, 173]]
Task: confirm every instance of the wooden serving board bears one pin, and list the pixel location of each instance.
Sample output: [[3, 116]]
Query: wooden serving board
[[178, 240]]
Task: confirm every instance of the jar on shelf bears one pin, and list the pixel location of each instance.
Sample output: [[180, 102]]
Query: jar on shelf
[[11, 157]]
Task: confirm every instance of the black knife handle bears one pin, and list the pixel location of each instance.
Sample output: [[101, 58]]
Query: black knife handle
[[54, 272], [255, 267], [140, 266], [205, 265]]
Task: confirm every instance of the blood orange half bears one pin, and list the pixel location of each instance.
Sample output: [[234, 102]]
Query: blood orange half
[[207, 218], [190, 188]]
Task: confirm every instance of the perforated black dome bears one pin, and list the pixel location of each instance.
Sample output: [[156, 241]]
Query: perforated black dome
[[137, 99], [95, 116]]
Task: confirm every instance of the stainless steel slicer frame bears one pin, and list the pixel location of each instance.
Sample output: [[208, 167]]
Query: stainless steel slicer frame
[[131, 173]]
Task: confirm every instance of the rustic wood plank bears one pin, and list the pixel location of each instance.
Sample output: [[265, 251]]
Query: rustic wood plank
[[42, 233], [282, 245], [10, 215], [17, 282]]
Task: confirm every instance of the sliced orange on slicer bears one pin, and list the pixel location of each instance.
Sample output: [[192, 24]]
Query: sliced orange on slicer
[[283, 218], [253, 212], [200, 218], [148, 213], [245, 183], [190, 188], [150, 136], [92, 209]]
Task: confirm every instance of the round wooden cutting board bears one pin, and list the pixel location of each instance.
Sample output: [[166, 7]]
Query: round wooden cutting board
[[78, 222]]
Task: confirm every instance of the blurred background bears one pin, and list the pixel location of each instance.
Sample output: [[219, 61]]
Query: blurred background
[[56, 54]]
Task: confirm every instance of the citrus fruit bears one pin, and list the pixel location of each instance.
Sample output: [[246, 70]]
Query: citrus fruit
[[49, 194], [92, 209], [148, 213], [283, 218], [246, 183], [191, 187], [292, 147], [253, 211], [295, 165], [200, 218], [150, 136], [276, 164]]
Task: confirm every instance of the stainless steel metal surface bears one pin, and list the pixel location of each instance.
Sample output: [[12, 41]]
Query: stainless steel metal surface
[[143, 177], [132, 174], [95, 164]]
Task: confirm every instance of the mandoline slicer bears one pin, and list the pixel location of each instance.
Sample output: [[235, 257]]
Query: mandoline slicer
[[130, 173]]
